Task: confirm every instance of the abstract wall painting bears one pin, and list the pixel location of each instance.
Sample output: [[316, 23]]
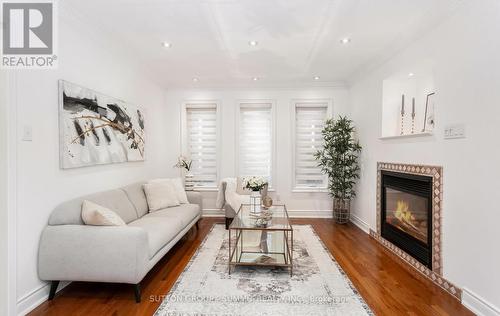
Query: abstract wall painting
[[97, 129]]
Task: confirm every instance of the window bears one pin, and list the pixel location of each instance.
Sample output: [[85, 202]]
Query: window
[[256, 143], [309, 121], [201, 142]]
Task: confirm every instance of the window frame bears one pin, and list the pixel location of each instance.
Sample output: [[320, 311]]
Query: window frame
[[293, 111], [202, 104], [254, 103]]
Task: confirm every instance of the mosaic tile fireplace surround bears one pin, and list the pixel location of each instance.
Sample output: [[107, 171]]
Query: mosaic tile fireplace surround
[[409, 205]]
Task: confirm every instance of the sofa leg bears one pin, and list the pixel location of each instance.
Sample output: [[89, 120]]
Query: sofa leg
[[53, 289], [137, 292]]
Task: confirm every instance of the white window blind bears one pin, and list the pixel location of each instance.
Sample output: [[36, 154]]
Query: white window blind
[[202, 143], [256, 140], [309, 121]]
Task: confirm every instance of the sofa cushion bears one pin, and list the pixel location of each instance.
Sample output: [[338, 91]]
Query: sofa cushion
[[184, 212], [69, 213], [136, 195], [160, 230]]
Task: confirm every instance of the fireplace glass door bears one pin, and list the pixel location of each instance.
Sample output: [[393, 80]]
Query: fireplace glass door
[[407, 212]]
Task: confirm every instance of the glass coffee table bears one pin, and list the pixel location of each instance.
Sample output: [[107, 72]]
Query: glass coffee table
[[262, 238]]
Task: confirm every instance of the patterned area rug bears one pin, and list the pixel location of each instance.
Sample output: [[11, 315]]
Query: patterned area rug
[[318, 285]]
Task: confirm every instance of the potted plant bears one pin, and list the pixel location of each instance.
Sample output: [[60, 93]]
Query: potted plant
[[339, 160], [185, 163], [255, 184]]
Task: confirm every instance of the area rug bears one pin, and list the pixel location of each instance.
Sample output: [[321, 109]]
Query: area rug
[[318, 285]]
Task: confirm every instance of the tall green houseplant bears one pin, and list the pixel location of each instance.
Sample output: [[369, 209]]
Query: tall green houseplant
[[339, 160]]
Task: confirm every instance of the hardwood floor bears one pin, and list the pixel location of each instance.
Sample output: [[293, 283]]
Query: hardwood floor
[[387, 287]]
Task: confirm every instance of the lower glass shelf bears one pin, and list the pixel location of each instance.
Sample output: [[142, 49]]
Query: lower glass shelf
[[254, 258]]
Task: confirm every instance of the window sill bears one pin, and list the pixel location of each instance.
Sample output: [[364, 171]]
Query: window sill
[[311, 190], [206, 189], [215, 189]]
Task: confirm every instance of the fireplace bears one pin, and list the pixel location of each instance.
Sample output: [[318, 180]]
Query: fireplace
[[413, 232], [406, 213]]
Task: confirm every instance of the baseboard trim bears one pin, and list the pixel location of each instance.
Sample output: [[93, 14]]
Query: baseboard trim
[[360, 223], [210, 212], [310, 213], [478, 305], [36, 297]]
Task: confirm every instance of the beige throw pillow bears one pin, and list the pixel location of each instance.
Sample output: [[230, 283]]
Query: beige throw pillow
[[160, 195], [178, 186], [94, 214], [179, 190], [240, 189]]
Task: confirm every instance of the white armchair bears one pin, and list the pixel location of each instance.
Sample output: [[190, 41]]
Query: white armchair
[[231, 195]]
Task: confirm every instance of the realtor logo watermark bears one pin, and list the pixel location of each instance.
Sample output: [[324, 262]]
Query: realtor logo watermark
[[28, 35]]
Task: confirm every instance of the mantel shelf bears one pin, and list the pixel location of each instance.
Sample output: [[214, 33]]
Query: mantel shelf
[[414, 135]]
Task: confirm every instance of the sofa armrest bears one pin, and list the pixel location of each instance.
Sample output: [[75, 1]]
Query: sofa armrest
[[116, 254], [195, 198]]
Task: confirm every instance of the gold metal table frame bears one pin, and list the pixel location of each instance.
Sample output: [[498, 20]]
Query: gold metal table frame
[[251, 244]]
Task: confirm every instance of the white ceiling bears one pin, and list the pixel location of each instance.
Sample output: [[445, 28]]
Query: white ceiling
[[298, 39]]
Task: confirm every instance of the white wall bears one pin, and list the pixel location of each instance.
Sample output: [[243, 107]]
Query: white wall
[[229, 104], [3, 195], [90, 60], [465, 52]]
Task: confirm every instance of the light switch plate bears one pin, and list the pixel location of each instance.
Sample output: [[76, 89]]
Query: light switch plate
[[453, 131], [27, 133]]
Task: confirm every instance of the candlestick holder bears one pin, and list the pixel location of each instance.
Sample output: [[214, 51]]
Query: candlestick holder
[[413, 115], [402, 113]]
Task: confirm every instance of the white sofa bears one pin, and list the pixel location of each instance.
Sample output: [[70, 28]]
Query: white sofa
[[72, 251]]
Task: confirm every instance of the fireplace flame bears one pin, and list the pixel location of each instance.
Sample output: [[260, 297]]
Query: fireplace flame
[[404, 214]]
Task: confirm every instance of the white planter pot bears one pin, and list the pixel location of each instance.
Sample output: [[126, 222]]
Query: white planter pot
[[255, 201], [188, 182]]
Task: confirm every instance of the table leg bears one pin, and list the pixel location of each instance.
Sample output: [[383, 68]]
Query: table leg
[[291, 256], [229, 258]]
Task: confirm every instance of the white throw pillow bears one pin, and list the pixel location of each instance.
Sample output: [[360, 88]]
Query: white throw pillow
[[240, 189], [178, 186], [94, 214], [179, 189], [160, 195]]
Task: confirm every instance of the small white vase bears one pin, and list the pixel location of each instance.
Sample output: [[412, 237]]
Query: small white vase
[[255, 201], [188, 182]]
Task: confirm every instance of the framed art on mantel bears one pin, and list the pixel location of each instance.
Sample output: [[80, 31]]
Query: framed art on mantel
[[97, 129], [429, 113]]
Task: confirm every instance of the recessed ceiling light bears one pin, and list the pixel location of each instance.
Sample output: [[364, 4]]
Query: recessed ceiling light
[[345, 40], [316, 77], [411, 74], [195, 79], [255, 78], [166, 44], [253, 43]]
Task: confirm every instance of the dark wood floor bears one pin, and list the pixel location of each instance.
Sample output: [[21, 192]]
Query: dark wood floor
[[385, 285]]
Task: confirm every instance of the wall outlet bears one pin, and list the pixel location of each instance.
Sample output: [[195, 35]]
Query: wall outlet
[[27, 133], [454, 131]]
